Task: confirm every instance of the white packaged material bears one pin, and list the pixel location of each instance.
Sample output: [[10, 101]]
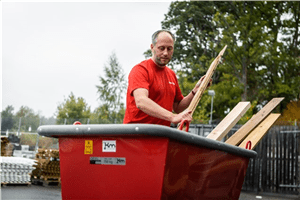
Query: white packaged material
[[16, 169]]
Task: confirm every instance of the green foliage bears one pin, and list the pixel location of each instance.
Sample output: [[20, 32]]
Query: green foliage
[[7, 117], [193, 25], [46, 142], [25, 120], [28, 139], [202, 112], [248, 114], [262, 58], [291, 115], [103, 115], [111, 91], [29, 124], [29, 120], [72, 108], [226, 99]]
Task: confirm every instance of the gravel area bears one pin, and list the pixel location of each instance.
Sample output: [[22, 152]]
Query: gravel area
[[267, 196], [37, 192]]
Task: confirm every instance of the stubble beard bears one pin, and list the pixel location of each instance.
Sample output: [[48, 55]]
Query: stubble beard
[[160, 63]]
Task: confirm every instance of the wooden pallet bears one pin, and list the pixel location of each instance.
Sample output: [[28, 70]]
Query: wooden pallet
[[46, 182], [4, 184]]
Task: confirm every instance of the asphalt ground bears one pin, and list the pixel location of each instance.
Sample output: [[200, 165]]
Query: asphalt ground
[[38, 192]]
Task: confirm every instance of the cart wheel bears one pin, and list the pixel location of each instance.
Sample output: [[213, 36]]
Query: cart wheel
[[77, 123], [248, 145]]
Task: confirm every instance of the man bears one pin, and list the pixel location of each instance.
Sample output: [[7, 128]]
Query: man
[[153, 90]]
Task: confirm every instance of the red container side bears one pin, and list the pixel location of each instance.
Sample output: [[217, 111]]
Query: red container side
[[200, 173], [140, 178], [139, 161]]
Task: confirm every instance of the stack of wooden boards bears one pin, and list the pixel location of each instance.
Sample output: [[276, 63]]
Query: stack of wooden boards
[[15, 170], [47, 170], [251, 133], [6, 147]]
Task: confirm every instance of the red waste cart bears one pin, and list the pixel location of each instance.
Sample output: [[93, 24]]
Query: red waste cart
[[142, 161]]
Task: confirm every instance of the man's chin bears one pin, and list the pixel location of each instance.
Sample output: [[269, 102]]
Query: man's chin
[[164, 62], [161, 62]]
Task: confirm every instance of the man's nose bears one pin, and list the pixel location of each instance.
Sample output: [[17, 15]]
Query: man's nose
[[165, 52]]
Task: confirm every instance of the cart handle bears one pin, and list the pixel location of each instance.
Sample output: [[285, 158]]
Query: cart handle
[[77, 123], [186, 123], [248, 145]]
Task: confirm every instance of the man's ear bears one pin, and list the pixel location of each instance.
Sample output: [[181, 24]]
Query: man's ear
[[151, 46]]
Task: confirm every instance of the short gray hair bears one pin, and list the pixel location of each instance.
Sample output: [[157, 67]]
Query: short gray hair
[[155, 35]]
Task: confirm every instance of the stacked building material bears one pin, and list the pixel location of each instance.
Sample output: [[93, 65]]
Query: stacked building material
[[6, 147], [24, 152], [16, 170], [47, 168]]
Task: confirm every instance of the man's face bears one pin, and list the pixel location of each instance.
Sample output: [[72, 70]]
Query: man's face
[[163, 50]]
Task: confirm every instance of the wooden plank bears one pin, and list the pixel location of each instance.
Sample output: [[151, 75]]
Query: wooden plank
[[258, 133], [238, 136], [204, 84], [205, 81], [229, 121]]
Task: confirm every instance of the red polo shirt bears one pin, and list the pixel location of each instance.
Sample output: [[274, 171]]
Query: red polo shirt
[[163, 88]]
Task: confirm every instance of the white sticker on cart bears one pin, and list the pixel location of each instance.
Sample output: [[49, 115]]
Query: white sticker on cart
[[107, 161], [109, 146]]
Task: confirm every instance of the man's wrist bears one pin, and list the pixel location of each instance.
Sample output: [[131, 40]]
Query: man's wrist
[[193, 92]]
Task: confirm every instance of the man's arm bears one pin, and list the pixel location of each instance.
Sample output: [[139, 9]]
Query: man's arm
[[148, 106], [178, 107]]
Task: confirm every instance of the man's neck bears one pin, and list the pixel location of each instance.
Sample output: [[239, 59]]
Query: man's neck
[[157, 64]]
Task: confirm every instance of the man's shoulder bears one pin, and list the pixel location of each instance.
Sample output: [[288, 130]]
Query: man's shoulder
[[145, 64]]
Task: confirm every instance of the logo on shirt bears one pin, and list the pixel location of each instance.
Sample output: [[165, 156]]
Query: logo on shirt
[[171, 83]]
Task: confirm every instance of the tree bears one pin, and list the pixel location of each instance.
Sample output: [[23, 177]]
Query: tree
[[28, 139], [263, 62], [29, 120], [291, 115], [46, 142], [111, 91], [73, 109], [262, 59], [7, 118], [47, 121]]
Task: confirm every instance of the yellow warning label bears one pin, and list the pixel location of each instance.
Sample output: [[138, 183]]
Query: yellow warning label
[[88, 147]]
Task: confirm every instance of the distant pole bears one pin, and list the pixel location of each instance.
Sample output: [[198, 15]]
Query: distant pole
[[37, 142], [212, 94], [18, 133]]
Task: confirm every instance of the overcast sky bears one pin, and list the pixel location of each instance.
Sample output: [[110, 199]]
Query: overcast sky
[[52, 49]]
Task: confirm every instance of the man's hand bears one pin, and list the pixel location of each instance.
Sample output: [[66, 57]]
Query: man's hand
[[182, 116], [199, 83], [148, 106]]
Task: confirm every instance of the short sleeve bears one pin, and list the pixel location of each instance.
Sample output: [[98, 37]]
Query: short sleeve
[[138, 78]]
